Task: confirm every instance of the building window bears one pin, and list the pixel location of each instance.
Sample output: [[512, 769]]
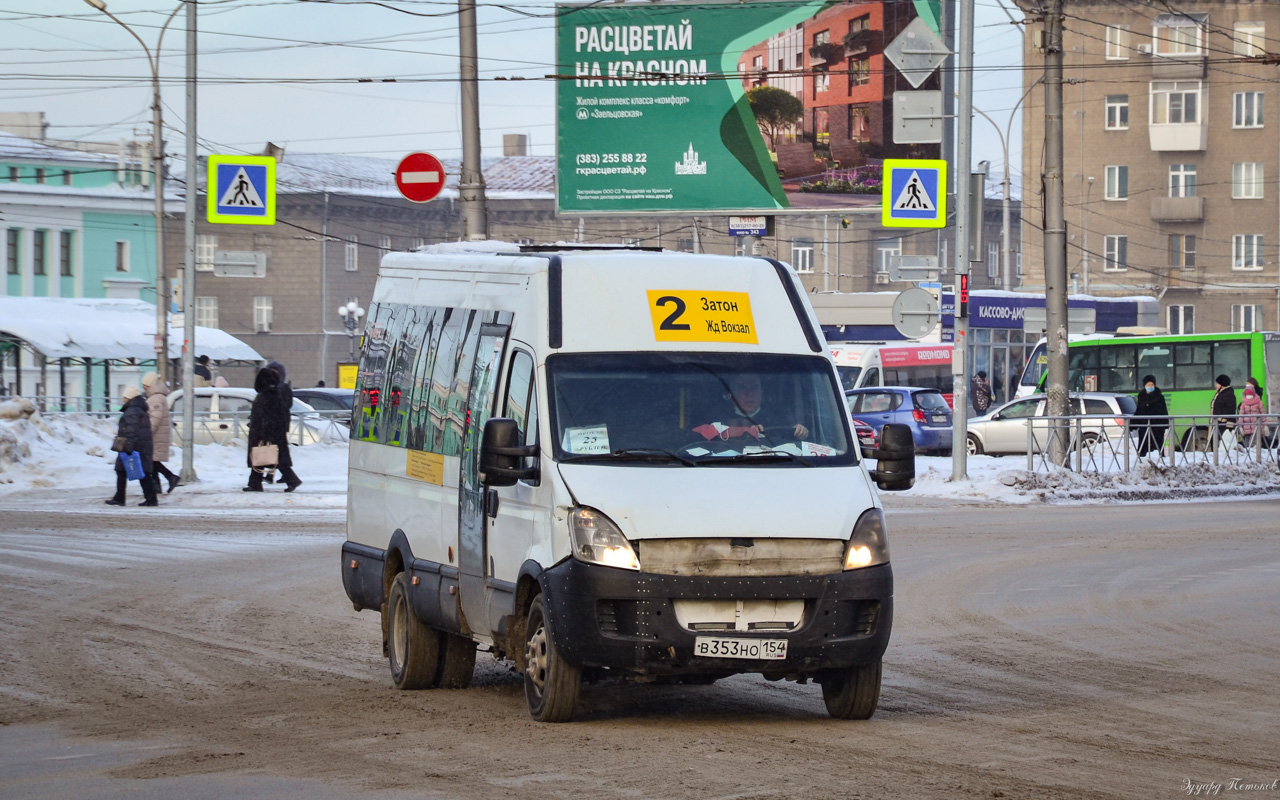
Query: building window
[[1117, 41], [822, 125], [1117, 112], [11, 238], [1246, 318], [384, 245], [1117, 187], [684, 245], [66, 177], [1246, 180], [1175, 102], [1182, 320], [821, 38], [352, 253], [66, 240], [859, 72], [1179, 36], [1250, 39], [1182, 250], [38, 241], [1246, 251], [262, 314], [993, 259], [122, 256], [41, 177], [13, 175], [862, 23], [1115, 253], [206, 246], [859, 123], [1247, 110], [1182, 180], [802, 254], [885, 250], [821, 82], [207, 312]]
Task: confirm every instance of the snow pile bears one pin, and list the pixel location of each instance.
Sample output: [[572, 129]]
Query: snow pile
[[1150, 480]]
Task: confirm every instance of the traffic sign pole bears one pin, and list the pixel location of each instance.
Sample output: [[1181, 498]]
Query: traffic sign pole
[[960, 352]]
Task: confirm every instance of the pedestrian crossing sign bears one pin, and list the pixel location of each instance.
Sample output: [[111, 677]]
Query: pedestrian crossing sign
[[241, 190], [914, 193]]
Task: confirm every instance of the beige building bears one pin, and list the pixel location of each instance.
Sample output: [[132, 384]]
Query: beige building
[[1172, 151]]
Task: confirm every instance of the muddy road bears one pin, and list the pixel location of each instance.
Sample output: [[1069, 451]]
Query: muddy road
[[1082, 652]]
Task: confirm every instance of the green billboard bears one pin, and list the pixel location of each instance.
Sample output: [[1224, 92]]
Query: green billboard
[[653, 111]]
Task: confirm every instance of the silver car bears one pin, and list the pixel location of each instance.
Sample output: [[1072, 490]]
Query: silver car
[[1003, 430]]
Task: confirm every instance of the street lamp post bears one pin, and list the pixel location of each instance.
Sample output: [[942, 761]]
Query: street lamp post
[[1006, 272], [1085, 265], [157, 179], [351, 312]]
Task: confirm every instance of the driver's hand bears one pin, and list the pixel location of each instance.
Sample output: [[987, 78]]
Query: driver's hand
[[800, 431]]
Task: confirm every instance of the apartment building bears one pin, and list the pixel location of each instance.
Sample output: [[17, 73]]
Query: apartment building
[[1172, 151]]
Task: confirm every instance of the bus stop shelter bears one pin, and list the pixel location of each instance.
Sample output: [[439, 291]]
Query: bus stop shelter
[[63, 333]]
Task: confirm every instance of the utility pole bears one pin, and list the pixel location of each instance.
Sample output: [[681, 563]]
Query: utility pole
[[1055, 233], [475, 224], [960, 170], [188, 474]]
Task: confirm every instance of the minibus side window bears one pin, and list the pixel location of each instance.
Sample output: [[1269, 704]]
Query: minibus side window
[[521, 403], [872, 377], [446, 364]]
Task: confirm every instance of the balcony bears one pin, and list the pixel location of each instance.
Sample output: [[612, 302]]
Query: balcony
[[1185, 137], [859, 43], [827, 53], [1178, 67], [1177, 209]]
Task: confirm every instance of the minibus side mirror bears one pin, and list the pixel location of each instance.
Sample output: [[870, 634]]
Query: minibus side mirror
[[502, 455], [895, 459]]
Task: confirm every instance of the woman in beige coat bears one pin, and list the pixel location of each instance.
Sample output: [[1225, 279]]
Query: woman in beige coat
[[161, 428]]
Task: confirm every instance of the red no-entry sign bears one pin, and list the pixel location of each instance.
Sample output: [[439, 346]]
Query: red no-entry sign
[[420, 177]]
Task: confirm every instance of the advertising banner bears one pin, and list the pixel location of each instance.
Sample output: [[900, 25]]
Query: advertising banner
[[653, 111]]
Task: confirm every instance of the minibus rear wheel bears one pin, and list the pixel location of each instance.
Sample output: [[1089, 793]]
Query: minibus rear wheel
[[413, 649], [852, 693], [551, 684]]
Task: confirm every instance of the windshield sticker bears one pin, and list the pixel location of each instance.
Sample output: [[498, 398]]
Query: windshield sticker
[[815, 449], [691, 316], [587, 440]]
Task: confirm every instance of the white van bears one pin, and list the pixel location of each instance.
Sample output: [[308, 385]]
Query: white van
[[561, 457], [926, 365]]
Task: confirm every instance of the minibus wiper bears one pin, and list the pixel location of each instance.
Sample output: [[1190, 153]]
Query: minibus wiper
[[654, 454], [760, 456]]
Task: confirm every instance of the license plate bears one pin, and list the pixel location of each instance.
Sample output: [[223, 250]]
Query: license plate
[[722, 647], [939, 419]]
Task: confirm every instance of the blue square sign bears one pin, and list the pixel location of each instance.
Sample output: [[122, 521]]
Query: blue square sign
[[242, 190], [914, 193]]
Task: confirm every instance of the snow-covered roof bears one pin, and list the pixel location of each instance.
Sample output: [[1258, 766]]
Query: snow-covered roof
[[28, 150], [100, 328]]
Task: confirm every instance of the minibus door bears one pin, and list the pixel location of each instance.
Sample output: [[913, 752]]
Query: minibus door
[[471, 512]]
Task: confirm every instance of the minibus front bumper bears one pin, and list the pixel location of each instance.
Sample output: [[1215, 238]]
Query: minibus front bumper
[[620, 619]]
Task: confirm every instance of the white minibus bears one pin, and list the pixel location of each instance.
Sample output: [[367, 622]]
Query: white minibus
[[606, 464]]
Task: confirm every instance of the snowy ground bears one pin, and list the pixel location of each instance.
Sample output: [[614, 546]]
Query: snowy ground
[[69, 457]]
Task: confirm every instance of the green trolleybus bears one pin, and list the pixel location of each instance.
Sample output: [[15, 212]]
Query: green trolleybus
[[1184, 367]]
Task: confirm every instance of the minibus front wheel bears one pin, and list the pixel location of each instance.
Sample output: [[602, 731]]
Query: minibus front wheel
[[413, 647], [551, 684], [852, 693]]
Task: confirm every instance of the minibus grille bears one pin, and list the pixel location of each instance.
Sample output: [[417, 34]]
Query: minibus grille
[[741, 557]]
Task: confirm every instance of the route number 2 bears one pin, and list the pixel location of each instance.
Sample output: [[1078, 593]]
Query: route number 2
[[670, 323]]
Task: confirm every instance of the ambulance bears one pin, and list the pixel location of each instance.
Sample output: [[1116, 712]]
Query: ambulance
[[613, 464]]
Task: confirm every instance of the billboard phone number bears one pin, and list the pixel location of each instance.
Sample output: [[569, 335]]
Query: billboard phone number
[[613, 158]]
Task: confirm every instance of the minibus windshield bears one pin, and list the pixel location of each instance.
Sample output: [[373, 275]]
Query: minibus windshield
[[695, 409]]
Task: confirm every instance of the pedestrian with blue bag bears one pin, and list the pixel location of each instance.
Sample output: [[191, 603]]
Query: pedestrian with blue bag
[[133, 446]]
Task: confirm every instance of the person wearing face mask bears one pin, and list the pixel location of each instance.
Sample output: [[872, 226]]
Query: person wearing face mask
[[1251, 421], [750, 418], [1151, 420]]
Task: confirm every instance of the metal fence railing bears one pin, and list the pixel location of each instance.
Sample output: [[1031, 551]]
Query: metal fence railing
[[224, 428], [1107, 443]]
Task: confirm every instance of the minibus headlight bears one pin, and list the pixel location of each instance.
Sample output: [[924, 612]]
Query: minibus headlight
[[868, 545], [596, 540]]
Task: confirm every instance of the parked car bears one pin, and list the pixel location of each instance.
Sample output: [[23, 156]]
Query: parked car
[[222, 414], [1003, 430], [868, 437], [329, 402], [925, 411]]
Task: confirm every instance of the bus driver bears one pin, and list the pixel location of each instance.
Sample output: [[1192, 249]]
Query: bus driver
[[750, 419]]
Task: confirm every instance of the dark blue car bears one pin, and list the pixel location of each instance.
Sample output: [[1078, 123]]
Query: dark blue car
[[924, 411]]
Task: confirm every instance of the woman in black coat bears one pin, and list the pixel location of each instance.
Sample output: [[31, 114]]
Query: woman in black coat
[[269, 420], [135, 429], [1224, 406], [1151, 420]]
